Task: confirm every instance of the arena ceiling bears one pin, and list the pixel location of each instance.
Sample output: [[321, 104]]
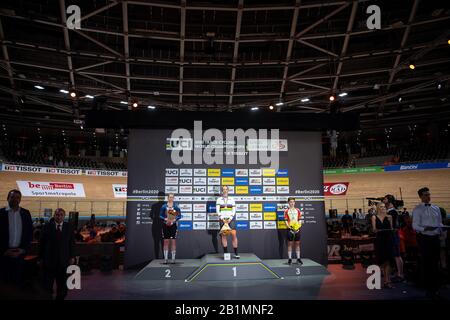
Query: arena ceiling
[[225, 55]]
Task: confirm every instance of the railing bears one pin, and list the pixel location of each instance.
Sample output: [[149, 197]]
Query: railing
[[101, 208], [342, 204]]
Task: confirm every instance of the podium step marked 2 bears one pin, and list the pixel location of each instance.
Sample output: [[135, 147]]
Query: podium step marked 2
[[212, 267]]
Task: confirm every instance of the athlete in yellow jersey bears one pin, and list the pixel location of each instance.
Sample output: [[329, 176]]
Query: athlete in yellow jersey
[[293, 217]]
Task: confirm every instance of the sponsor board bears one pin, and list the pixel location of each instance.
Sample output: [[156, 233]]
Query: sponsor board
[[256, 216], [281, 225], [185, 207], [283, 181], [213, 172], [185, 225], [171, 189], [282, 173], [255, 181], [269, 181], [269, 207], [269, 190], [199, 189], [227, 181], [200, 172], [270, 224], [186, 216], [78, 172], [335, 188], [213, 216], [119, 190], [185, 189], [213, 189], [185, 172], [282, 190], [104, 173], [270, 216], [171, 180], [241, 172], [51, 189], [241, 189], [241, 215], [268, 172], [280, 145], [280, 215], [256, 190], [200, 207], [199, 216], [255, 207], [256, 225], [241, 207], [213, 225], [179, 144], [171, 172], [228, 173], [242, 225], [241, 181], [255, 172], [199, 225], [282, 206], [199, 181], [185, 181], [214, 181]]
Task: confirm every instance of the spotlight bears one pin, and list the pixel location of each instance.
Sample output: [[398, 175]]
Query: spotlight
[[305, 100], [343, 94], [271, 107], [123, 102], [254, 108], [399, 99], [331, 98], [72, 93], [39, 87], [448, 41], [89, 96], [151, 107], [135, 104], [63, 91], [412, 66], [279, 104]]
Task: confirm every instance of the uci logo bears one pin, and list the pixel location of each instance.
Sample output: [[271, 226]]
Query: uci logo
[[179, 144]]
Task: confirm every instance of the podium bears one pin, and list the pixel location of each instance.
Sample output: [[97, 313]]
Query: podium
[[212, 267]]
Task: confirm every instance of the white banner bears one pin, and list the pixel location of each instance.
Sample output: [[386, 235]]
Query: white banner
[[51, 189], [105, 173], [119, 190]]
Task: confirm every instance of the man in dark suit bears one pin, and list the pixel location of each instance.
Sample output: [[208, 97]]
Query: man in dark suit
[[56, 251], [16, 233]]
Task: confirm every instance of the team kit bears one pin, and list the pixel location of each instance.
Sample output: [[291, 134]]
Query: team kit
[[226, 182]]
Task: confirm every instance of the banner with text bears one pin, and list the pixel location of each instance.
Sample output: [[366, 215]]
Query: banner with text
[[51, 189]]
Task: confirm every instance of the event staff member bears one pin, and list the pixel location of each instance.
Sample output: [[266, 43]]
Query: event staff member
[[226, 208], [16, 233], [384, 241], [389, 201], [292, 218], [170, 213], [57, 252], [427, 221]]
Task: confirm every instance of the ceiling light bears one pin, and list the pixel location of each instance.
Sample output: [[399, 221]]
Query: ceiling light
[[254, 108], [123, 102], [63, 91], [39, 87], [271, 107], [151, 107], [279, 103], [412, 66], [331, 98], [343, 94], [305, 100], [135, 104], [89, 96]]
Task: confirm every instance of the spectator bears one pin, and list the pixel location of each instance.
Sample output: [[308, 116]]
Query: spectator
[[16, 233], [384, 241], [427, 221], [56, 251], [78, 236], [347, 222], [389, 201], [360, 214], [402, 218], [355, 214], [369, 215]]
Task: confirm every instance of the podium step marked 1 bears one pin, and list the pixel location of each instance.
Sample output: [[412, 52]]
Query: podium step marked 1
[[212, 267]]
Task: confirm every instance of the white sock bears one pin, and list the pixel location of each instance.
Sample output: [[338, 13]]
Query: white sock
[[173, 254], [290, 254], [298, 253], [166, 254]]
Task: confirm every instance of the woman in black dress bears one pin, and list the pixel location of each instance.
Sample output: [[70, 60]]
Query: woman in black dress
[[384, 242]]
